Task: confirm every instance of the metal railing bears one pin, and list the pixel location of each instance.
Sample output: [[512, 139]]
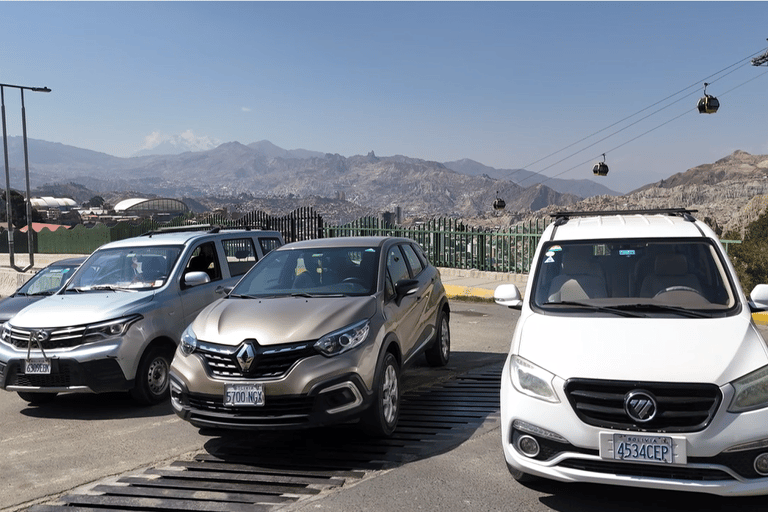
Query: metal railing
[[448, 242]]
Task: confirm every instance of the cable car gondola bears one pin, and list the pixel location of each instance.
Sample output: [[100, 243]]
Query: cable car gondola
[[499, 203], [708, 104], [600, 168]]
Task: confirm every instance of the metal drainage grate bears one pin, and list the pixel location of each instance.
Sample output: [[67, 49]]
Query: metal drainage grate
[[249, 472]]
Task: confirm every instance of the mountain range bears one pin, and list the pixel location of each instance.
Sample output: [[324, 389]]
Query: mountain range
[[263, 175]]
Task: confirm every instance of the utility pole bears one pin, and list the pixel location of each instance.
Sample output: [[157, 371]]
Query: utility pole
[[8, 208]]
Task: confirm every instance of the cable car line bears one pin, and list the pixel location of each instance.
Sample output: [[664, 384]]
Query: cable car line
[[649, 131], [696, 84]]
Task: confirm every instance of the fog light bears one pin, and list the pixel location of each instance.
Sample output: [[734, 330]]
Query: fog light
[[528, 446], [761, 464]]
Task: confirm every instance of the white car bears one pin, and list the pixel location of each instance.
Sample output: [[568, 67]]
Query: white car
[[635, 360]]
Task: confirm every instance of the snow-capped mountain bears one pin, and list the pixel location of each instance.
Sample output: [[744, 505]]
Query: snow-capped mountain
[[160, 144]]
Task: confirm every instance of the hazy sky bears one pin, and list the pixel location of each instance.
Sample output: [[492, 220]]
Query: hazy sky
[[502, 83]]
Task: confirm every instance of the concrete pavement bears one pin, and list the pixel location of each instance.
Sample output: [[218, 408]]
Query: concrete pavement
[[462, 283]]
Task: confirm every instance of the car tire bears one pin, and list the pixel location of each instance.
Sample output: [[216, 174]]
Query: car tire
[[439, 352], [380, 419], [36, 398], [153, 377]]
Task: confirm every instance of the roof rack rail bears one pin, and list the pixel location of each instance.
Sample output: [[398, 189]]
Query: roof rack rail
[[208, 228], [562, 217]]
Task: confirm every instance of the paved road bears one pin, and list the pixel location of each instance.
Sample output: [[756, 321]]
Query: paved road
[[85, 439], [80, 439]]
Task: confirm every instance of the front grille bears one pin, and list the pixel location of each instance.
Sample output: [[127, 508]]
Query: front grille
[[60, 376], [647, 470], [276, 411], [64, 337], [269, 362], [680, 407]]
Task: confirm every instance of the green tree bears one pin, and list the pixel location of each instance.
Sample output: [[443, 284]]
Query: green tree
[[96, 202], [18, 210], [750, 258]]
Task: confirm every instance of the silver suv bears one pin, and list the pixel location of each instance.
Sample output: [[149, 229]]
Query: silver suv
[[316, 333], [116, 324]]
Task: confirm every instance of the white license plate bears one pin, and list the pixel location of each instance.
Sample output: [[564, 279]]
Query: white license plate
[[643, 448], [37, 366], [244, 395]]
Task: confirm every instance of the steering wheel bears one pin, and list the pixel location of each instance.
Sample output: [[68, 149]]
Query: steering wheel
[[353, 280], [678, 289]]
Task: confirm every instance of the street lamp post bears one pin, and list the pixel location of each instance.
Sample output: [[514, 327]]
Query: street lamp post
[[8, 208]]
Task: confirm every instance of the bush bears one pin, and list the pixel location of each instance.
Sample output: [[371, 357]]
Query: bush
[[750, 258]]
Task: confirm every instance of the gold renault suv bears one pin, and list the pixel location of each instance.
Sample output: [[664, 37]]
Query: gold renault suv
[[315, 334]]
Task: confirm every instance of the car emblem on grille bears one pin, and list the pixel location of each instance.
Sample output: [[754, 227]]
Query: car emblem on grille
[[640, 406], [245, 356], [39, 336]]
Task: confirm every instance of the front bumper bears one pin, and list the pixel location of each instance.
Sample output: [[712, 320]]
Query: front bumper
[[315, 391], [570, 450], [89, 368], [336, 401]]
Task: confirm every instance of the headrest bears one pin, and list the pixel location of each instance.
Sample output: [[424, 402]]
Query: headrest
[[576, 266], [671, 265]]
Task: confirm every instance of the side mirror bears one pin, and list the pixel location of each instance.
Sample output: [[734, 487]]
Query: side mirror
[[508, 295], [759, 298], [406, 287], [196, 279]]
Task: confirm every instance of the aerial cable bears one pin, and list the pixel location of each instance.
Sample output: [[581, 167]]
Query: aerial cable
[[624, 128], [648, 131], [696, 84]]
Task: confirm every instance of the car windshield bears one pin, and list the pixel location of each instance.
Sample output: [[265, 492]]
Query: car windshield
[[48, 280], [337, 271], [125, 268], [669, 276]]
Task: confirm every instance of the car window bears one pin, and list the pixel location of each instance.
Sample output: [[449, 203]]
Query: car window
[[268, 244], [687, 273], [241, 255], [48, 280], [413, 260], [204, 259], [314, 271], [127, 267], [396, 265]]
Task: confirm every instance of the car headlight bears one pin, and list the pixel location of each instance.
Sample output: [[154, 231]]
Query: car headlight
[[110, 329], [531, 380], [188, 341], [342, 340], [751, 391]]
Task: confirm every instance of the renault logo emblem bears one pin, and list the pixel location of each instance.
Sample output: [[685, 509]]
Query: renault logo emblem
[[245, 356], [640, 406]]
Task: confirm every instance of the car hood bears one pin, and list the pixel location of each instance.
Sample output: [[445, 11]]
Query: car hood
[[279, 320], [711, 350], [62, 310], [9, 306]]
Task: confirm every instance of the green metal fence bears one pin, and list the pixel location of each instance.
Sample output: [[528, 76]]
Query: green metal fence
[[448, 242]]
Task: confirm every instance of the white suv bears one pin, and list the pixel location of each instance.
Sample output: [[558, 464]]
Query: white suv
[[635, 360], [116, 323]]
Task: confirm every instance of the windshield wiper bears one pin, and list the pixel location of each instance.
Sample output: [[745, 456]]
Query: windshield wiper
[[592, 307], [238, 296], [665, 308]]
